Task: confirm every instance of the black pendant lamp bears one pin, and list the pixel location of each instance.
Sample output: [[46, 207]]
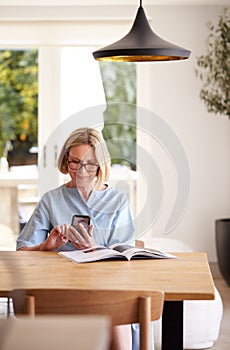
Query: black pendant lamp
[[141, 44]]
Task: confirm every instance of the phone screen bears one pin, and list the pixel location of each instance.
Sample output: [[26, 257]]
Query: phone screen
[[80, 219]]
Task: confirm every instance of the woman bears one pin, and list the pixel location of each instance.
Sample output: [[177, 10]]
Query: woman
[[84, 156]]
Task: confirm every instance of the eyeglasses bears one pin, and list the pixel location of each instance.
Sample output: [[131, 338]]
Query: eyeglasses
[[77, 165]]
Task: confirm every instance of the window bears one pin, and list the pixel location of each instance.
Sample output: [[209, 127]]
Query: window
[[19, 106], [49, 40], [119, 81]]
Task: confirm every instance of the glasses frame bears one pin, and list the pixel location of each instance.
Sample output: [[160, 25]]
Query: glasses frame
[[80, 164]]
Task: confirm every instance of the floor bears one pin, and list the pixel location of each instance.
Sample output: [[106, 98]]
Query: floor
[[223, 342]]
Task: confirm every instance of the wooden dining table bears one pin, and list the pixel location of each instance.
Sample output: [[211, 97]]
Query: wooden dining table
[[186, 278]]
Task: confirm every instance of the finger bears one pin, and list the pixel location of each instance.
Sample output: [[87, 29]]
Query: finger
[[65, 228], [73, 231], [84, 231], [74, 235], [58, 228], [73, 239], [65, 239], [90, 232]]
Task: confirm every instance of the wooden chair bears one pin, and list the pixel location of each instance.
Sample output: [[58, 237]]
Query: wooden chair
[[123, 307], [139, 243]]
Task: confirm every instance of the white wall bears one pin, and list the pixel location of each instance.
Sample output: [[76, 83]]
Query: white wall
[[171, 90]]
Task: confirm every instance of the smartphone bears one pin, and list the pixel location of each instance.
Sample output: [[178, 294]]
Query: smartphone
[[80, 219]]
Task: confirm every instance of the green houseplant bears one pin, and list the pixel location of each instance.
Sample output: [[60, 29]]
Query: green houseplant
[[214, 71], [18, 102], [213, 68]]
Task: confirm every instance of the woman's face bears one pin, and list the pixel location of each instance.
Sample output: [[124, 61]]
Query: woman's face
[[79, 156]]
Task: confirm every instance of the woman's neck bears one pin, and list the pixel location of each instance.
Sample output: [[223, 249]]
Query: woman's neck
[[85, 192]]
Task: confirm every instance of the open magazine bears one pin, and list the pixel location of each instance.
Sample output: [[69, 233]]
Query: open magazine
[[116, 251]]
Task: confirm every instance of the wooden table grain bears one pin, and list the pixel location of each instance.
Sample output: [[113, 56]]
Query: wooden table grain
[[186, 278]]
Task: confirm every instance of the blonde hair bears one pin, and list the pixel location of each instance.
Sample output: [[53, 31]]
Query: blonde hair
[[92, 137]]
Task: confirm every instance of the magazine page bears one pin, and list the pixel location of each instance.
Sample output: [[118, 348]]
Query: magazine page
[[132, 251], [91, 254]]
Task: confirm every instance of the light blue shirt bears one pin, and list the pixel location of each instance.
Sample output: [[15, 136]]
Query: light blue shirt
[[109, 212]]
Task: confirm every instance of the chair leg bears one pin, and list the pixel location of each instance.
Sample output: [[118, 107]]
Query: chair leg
[[144, 320], [30, 305], [8, 307]]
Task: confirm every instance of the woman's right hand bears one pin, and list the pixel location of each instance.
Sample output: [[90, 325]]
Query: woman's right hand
[[56, 239], [82, 240]]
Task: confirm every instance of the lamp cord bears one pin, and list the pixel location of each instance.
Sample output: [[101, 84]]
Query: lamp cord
[[140, 3]]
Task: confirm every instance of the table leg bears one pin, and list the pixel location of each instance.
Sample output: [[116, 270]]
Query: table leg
[[172, 325], [8, 307]]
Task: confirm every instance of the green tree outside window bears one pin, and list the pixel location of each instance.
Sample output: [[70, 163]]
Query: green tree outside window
[[119, 81], [18, 97]]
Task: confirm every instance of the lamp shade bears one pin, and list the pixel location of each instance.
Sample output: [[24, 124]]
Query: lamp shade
[[141, 44]]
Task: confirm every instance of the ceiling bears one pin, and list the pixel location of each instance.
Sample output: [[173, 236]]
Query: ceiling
[[109, 2]]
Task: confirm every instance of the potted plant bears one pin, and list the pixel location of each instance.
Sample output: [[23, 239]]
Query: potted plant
[[214, 70]]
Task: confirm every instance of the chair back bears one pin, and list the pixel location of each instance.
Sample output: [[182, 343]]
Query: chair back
[[122, 307]]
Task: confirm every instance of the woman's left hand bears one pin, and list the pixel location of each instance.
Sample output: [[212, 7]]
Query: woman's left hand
[[82, 240], [56, 239]]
